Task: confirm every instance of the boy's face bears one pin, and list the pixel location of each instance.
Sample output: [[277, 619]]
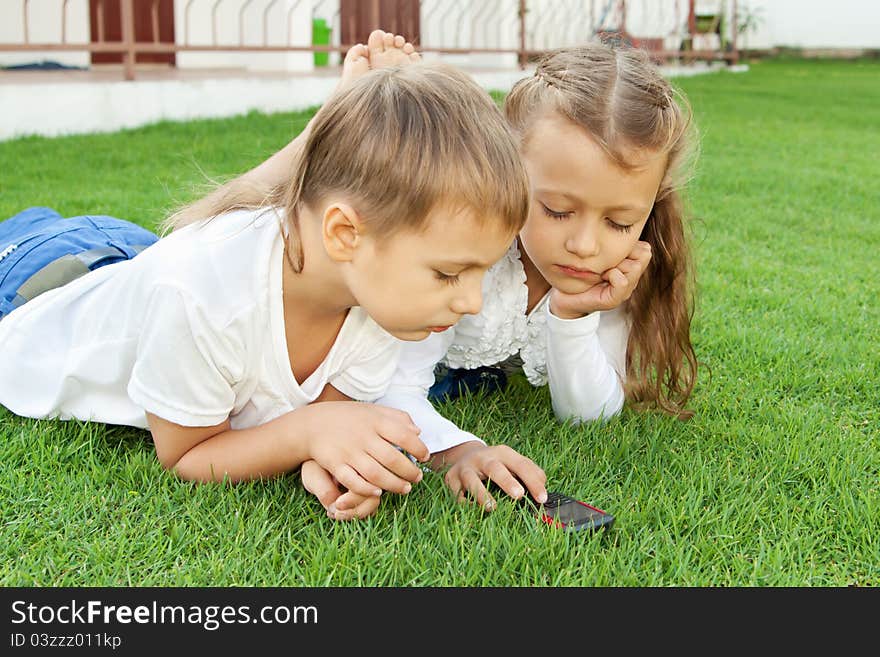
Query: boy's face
[[415, 283], [587, 213]]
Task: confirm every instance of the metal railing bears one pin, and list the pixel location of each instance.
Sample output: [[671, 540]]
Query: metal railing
[[525, 28]]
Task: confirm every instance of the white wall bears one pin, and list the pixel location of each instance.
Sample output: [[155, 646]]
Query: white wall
[[816, 23], [60, 108], [44, 26], [288, 23], [467, 24]]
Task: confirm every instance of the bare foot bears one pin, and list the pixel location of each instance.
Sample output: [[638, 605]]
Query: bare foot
[[383, 50], [355, 64], [386, 49]]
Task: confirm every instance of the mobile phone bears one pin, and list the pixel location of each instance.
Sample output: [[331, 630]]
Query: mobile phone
[[567, 513]]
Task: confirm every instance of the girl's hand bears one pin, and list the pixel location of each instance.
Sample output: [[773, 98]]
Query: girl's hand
[[339, 505], [505, 467], [356, 443], [616, 287]]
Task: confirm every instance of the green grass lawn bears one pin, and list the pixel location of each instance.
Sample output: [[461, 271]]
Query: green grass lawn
[[774, 482]]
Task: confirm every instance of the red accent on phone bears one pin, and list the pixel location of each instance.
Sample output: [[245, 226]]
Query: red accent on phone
[[565, 512]]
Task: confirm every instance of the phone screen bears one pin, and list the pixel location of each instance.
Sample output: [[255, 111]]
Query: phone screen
[[574, 514]]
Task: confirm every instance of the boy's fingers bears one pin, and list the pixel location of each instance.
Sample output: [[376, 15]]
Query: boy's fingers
[[348, 500], [406, 436], [319, 483], [396, 461], [348, 477], [350, 506], [367, 507], [397, 427], [374, 471]]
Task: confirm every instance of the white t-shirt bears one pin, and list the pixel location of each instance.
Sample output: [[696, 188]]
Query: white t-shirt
[[191, 330], [583, 360]]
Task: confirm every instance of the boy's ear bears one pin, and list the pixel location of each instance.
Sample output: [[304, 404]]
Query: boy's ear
[[341, 230]]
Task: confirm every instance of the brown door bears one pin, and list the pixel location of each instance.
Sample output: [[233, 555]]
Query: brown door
[[360, 17], [105, 20]]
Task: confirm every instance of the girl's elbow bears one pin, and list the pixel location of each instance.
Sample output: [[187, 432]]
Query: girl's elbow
[[584, 415]]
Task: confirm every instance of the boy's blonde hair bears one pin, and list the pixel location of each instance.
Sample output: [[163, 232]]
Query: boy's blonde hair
[[623, 101], [397, 143]]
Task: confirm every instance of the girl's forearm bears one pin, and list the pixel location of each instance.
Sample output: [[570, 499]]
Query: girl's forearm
[[452, 455], [584, 384], [276, 169]]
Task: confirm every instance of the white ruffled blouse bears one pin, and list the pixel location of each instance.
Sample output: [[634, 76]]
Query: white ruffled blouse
[[583, 360], [503, 329]]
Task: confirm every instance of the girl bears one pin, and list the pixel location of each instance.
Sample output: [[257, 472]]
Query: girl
[[220, 336], [594, 296]]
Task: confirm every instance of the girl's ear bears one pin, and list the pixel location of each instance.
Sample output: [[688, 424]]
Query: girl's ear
[[341, 230]]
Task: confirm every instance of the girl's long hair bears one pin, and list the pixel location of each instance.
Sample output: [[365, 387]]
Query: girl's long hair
[[623, 101], [397, 143]]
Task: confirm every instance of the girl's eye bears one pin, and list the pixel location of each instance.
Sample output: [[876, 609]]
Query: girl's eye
[[623, 228], [449, 279], [554, 213]]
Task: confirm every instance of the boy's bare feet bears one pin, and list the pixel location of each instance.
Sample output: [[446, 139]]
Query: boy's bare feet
[[383, 50]]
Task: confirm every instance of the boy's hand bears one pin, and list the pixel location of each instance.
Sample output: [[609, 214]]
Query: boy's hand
[[339, 505], [616, 287], [356, 443], [474, 463], [351, 506]]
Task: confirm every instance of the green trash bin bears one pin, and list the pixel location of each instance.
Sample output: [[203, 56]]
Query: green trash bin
[[321, 37]]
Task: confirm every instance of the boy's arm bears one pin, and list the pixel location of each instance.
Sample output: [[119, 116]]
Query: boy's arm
[[354, 441], [320, 483], [217, 452]]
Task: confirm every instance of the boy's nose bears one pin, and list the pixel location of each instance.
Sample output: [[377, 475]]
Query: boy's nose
[[469, 301]]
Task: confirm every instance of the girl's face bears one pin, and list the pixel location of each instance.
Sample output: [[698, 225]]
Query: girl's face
[[415, 283], [587, 213]]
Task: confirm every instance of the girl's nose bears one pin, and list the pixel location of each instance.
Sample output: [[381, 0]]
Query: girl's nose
[[582, 242]]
